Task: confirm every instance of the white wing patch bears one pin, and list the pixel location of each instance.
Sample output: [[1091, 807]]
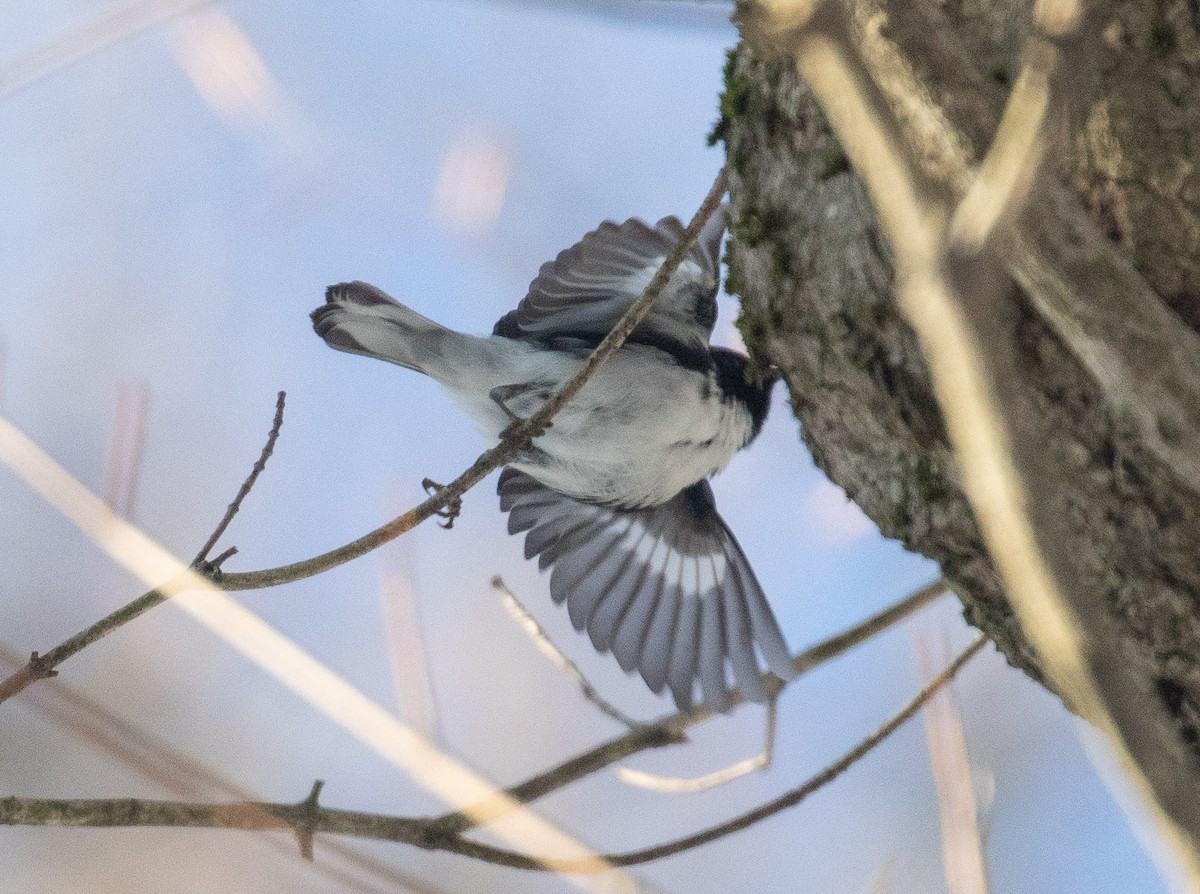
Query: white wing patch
[[666, 589]]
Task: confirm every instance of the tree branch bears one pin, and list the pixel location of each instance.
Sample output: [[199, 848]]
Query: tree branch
[[516, 438], [953, 289], [43, 666], [670, 730], [247, 486], [307, 817]]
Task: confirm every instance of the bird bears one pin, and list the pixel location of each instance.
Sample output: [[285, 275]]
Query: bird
[[614, 497]]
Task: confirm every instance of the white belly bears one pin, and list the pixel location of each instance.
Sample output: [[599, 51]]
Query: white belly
[[638, 433]]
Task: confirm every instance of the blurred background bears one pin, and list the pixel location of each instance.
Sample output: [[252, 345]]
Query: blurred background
[[180, 182]]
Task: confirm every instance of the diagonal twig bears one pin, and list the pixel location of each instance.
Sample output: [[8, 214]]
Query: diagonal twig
[[534, 630], [692, 784], [670, 730], [516, 438], [247, 485], [41, 666], [12, 444]]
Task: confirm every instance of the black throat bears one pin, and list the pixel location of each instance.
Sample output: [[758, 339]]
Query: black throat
[[739, 380]]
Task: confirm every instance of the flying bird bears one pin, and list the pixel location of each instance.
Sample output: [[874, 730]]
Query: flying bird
[[614, 496]]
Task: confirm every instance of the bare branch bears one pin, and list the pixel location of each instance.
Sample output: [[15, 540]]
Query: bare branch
[[183, 776], [515, 439], [306, 817], [670, 730], [247, 485], [518, 437], [534, 630], [377, 728], [41, 666], [693, 784]]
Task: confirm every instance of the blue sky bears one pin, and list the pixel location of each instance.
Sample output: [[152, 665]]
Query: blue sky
[[157, 232]]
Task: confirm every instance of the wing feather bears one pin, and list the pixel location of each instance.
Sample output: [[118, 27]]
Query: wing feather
[[666, 589], [587, 288]]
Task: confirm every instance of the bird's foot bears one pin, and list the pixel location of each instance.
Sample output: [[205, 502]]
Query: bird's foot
[[449, 512], [500, 395]]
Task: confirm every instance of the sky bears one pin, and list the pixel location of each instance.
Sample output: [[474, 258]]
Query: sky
[[175, 205]]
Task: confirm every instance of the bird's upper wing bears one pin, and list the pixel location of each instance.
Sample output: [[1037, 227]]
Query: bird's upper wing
[[666, 589], [587, 288]]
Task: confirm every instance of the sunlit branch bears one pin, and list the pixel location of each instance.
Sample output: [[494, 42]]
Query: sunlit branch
[[953, 289], [378, 729], [307, 817], [670, 730], [704, 782], [516, 438], [182, 775], [42, 666], [534, 631]]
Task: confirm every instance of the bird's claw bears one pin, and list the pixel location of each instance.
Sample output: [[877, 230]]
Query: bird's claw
[[450, 512], [500, 395]]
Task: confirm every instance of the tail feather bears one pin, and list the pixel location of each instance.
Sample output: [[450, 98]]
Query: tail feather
[[360, 319]]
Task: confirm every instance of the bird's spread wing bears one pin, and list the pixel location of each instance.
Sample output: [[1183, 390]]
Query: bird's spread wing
[[587, 288], [666, 589]]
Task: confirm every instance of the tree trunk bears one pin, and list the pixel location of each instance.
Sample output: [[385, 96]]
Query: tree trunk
[[808, 259]]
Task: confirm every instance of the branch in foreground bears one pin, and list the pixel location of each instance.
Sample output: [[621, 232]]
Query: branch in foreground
[[545, 645], [706, 781], [181, 775], [954, 289], [40, 667], [306, 818], [516, 438]]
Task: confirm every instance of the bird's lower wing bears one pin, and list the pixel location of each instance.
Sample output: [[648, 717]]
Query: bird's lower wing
[[666, 589]]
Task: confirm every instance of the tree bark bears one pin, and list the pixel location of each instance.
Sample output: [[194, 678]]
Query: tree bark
[[815, 277]]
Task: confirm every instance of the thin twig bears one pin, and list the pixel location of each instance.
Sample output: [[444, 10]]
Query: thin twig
[[183, 776], [534, 630], [332, 695], [42, 666], [963, 856], [670, 730], [248, 484], [692, 784], [306, 816], [516, 438]]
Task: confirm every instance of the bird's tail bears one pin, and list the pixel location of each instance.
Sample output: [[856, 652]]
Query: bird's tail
[[361, 319]]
